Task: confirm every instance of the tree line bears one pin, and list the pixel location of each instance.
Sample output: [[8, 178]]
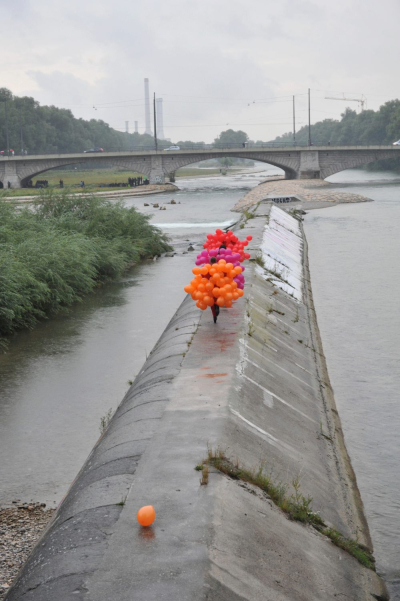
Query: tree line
[[48, 129], [368, 127]]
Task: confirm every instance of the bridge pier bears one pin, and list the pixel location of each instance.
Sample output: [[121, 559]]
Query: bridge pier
[[309, 165], [11, 175], [156, 170]]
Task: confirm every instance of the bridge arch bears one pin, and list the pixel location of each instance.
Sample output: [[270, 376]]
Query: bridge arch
[[29, 170], [332, 162], [289, 163]]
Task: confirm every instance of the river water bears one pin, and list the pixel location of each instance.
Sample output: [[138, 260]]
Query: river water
[[57, 381], [354, 253]]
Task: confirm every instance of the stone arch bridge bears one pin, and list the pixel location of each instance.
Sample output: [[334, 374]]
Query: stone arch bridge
[[316, 162]]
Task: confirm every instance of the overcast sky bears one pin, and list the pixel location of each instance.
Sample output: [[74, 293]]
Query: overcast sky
[[215, 63]]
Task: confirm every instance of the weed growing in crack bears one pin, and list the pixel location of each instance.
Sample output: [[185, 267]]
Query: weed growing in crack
[[296, 506], [259, 261], [204, 474], [105, 420]]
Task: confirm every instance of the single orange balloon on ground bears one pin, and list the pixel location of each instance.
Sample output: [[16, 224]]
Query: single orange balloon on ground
[[146, 515]]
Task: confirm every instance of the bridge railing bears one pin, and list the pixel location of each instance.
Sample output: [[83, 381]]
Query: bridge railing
[[199, 146]]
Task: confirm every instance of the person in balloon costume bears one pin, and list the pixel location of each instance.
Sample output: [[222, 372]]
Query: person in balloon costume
[[218, 276]]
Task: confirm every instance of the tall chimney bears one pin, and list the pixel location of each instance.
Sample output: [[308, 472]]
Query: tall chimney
[[147, 107], [136, 127], [127, 127], [160, 123]]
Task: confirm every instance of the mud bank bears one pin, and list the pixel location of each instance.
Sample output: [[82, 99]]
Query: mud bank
[[254, 386]]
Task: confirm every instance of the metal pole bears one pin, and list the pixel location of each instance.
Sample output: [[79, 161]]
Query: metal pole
[[22, 137], [294, 122], [8, 143], [309, 118], [155, 123]]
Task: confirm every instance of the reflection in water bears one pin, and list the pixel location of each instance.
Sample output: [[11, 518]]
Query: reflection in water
[[354, 254]]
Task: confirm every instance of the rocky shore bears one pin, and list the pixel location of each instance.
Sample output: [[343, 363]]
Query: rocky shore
[[20, 528]]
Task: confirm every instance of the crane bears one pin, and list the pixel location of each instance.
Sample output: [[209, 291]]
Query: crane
[[361, 100]]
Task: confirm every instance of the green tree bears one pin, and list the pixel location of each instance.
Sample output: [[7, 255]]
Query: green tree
[[231, 138]]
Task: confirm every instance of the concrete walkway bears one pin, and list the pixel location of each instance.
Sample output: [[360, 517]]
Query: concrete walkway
[[255, 385]]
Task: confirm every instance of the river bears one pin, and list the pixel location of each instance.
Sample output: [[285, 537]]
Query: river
[[58, 381], [354, 253]]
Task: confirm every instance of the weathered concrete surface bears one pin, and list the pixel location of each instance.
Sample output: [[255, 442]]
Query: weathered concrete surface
[[251, 387]]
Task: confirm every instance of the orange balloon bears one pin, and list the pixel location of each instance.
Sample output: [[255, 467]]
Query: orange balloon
[[146, 515], [240, 292], [196, 270], [209, 286], [228, 303], [189, 289], [235, 295], [220, 301], [229, 297]]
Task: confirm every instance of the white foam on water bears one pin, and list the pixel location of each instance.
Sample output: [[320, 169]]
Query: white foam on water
[[194, 225]]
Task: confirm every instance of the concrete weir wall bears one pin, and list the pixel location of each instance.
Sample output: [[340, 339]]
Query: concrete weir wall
[[256, 386]]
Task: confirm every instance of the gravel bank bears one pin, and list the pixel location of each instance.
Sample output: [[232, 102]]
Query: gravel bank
[[20, 528], [311, 191]]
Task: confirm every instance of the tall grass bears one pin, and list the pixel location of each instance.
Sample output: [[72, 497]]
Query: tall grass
[[53, 255]]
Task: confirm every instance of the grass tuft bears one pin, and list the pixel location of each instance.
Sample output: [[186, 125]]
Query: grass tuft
[[290, 500]]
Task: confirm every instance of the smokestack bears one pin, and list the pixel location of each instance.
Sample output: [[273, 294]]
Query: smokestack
[[136, 127], [127, 127], [147, 107], [160, 123]]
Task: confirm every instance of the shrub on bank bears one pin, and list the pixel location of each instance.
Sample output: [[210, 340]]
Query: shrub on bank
[[53, 255]]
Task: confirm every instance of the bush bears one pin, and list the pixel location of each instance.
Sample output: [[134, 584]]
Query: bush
[[50, 257]]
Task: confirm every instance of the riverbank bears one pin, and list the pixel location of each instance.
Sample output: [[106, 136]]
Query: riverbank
[[109, 194], [20, 527], [314, 193], [52, 257], [252, 387]]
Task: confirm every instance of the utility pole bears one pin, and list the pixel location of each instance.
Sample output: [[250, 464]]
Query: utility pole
[[294, 123], [8, 142], [22, 137], [309, 118], [155, 121]]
